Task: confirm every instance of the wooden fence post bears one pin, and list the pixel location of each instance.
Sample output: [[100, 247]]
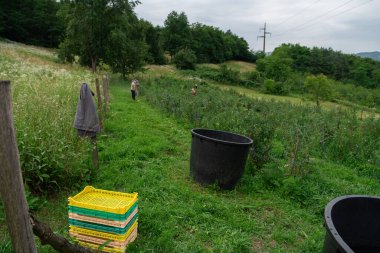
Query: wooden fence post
[[105, 93], [11, 184], [99, 96], [108, 89]]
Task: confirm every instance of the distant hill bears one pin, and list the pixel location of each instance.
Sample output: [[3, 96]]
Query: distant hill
[[373, 55]]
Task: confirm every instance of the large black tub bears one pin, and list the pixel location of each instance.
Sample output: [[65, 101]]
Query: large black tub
[[218, 156], [353, 225]]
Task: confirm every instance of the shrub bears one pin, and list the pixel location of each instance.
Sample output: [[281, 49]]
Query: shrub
[[319, 86], [270, 86], [228, 74], [185, 59], [277, 88], [255, 76]]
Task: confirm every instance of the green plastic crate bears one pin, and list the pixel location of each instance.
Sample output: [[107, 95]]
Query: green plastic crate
[[101, 214]]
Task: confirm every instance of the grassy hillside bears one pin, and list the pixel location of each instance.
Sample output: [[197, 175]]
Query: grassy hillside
[[240, 66], [145, 148], [297, 100], [244, 68]]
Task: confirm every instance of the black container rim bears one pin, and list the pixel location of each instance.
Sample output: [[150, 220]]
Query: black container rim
[[330, 227], [249, 143]]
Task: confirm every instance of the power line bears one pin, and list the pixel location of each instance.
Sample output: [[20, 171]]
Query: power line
[[318, 17], [338, 14], [295, 15], [264, 35], [354, 7]]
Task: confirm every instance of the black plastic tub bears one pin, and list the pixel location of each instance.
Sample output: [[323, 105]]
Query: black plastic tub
[[352, 225], [218, 156]]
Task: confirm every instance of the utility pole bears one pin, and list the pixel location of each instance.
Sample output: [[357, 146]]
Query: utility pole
[[264, 35]]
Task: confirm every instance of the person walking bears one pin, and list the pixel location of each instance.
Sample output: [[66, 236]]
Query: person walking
[[137, 87], [133, 89]]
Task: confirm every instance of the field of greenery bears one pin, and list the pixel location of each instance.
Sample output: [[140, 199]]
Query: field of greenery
[[45, 95], [334, 135], [292, 84], [303, 157]]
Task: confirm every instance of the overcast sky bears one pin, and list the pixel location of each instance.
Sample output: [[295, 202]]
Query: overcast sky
[[350, 26]]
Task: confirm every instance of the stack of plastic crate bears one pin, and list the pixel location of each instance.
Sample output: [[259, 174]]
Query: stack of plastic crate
[[103, 220]]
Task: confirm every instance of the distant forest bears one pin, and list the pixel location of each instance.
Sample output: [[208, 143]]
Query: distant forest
[[44, 23], [105, 31], [336, 65]]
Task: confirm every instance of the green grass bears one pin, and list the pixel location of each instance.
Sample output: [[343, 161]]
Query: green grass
[[362, 111], [147, 151], [234, 65]]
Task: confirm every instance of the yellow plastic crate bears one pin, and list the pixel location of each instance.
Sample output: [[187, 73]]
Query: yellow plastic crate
[[103, 235], [103, 200], [111, 244], [110, 249]]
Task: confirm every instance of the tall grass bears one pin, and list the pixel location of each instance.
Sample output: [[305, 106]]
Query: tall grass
[[44, 103]]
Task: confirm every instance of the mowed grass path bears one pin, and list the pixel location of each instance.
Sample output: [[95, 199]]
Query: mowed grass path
[[147, 152]]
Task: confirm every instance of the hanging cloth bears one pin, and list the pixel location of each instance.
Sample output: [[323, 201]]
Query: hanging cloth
[[86, 119]]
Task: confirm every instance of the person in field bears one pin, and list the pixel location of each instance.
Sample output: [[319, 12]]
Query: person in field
[[134, 89], [194, 90], [137, 87]]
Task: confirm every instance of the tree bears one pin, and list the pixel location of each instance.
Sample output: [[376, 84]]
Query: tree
[[176, 33], [275, 67], [127, 50], [2, 18], [152, 39], [90, 25], [334, 64], [31, 21], [319, 87], [185, 59], [210, 44]]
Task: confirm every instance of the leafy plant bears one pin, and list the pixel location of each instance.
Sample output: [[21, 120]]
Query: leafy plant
[[185, 59], [273, 87], [228, 74], [319, 87]]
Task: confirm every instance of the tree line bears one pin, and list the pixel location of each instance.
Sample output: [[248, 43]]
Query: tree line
[[341, 67], [322, 72], [109, 31], [31, 21]]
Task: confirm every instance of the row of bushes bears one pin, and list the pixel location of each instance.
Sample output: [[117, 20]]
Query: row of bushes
[[296, 83], [337, 134], [289, 140]]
